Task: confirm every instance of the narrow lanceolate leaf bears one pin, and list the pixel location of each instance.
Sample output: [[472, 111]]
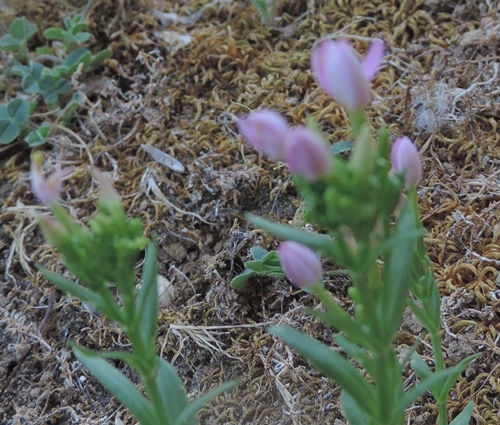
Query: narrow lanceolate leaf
[[464, 417], [118, 385], [331, 364], [314, 241], [186, 416], [147, 304], [172, 392]]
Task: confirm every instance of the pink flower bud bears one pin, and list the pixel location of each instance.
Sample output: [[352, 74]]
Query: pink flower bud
[[47, 190], [307, 153], [265, 130], [300, 264], [405, 158], [339, 72]]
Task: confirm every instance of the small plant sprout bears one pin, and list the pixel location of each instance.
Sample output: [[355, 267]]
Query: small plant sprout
[[20, 31], [374, 234], [72, 36], [52, 84]]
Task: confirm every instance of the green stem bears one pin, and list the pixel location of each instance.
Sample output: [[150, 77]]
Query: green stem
[[357, 119], [147, 367], [439, 366]]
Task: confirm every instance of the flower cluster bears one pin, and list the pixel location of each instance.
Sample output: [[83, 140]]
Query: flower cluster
[[303, 149], [355, 195]]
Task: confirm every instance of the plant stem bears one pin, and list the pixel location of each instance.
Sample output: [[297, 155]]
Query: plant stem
[[439, 364], [147, 367]]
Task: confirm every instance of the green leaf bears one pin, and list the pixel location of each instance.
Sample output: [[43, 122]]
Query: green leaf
[[419, 389], [172, 392], [257, 252], [71, 107], [4, 114], [397, 274], [420, 367], [339, 319], [256, 266], [76, 57], [22, 29], [315, 241], [452, 379], [81, 38], [77, 291], [117, 384], [354, 351], [276, 273], [54, 33], [341, 147], [18, 110], [21, 70], [98, 59], [465, 415], [185, 417], [239, 281], [8, 131], [147, 301], [43, 50], [9, 43], [37, 137], [68, 22], [331, 364], [353, 411], [272, 259]]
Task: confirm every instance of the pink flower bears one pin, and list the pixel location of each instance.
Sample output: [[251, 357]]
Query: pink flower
[[405, 158], [47, 190], [265, 130], [307, 153], [300, 264], [339, 72]]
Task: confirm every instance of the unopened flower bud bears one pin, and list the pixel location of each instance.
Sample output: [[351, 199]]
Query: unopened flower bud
[[339, 72], [265, 130], [307, 153], [47, 189], [300, 264], [406, 159]]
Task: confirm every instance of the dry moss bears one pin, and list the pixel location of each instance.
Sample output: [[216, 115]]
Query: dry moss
[[183, 99]]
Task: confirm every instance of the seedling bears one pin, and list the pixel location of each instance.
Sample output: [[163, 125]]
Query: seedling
[[74, 34], [20, 31], [50, 83], [12, 117], [264, 263]]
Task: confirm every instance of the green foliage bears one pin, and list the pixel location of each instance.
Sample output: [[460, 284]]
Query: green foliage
[[20, 31], [264, 264], [52, 84], [12, 117], [74, 35]]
